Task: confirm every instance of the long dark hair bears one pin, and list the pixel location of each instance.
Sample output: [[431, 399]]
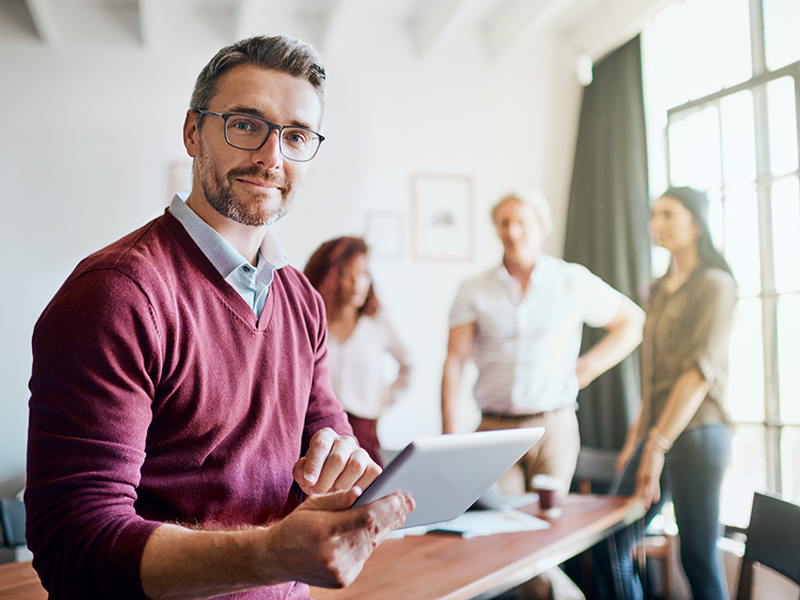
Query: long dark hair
[[324, 271], [696, 202]]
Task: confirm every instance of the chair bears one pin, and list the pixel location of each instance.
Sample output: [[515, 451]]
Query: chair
[[596, 471], [12, 517], [773, 540], [660, 545]]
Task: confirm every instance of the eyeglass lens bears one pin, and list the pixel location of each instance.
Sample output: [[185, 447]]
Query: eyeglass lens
[[249, 133]]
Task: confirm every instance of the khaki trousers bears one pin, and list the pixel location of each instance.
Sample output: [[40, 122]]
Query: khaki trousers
[[555, 454]]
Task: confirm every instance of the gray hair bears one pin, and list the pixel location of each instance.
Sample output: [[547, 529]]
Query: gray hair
[[536, 201], [279, 53]]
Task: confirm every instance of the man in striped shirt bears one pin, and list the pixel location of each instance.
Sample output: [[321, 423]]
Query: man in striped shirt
[[521, 323]]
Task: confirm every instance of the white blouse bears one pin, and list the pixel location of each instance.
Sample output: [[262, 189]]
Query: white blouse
[[360, 375]]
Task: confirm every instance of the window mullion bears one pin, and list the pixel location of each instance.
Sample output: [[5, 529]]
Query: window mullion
[[769, 303], [769, 300], [757, 44]]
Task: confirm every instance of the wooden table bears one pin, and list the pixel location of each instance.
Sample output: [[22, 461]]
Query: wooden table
[[443, 567], [18, 581]]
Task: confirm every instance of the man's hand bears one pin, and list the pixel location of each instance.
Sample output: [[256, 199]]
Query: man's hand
[[322, 542], [334, 463], [325, 544], [623, 334]]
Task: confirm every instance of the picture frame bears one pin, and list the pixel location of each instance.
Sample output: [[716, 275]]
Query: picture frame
[[443, 218], [383, 233]]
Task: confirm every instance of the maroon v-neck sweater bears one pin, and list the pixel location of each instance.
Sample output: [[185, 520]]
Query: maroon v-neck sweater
[[157, 395]]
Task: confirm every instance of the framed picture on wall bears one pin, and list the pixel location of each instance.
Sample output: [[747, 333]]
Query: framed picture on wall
[[383, 233], [442, 217]]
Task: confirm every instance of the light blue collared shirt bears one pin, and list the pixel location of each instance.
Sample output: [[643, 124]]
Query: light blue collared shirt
[[252, 283]]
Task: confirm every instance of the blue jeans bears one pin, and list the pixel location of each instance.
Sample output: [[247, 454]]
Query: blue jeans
[[692, 477]]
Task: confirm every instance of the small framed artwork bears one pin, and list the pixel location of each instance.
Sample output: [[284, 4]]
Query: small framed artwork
[[180, 178], [383, 233], [443, 219]]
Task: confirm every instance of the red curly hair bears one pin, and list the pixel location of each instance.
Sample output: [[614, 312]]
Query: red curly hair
[[324, 271]]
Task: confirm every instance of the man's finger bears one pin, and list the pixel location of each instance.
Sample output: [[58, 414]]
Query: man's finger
[[383, 516], [358, 465], [318, 451], [341, 449], [337, 501], [369, 475], [387, 513]]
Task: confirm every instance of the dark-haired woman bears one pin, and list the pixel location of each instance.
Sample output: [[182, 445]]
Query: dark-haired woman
[[359, 337], [680, 446]]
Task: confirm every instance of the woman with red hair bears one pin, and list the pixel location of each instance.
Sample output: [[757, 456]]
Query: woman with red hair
[[359, 337]]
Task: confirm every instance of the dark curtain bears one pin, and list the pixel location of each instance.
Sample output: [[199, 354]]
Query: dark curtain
[[607, 225]]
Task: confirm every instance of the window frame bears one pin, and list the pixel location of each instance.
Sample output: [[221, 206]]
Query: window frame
[[769, 297]]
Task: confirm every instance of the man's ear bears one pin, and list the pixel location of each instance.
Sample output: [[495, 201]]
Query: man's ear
[[191, 134]]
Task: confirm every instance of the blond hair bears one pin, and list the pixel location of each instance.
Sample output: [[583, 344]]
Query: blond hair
[[536, 201]]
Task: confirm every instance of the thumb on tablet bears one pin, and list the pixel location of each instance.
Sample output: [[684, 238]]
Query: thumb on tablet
[[334, 500]]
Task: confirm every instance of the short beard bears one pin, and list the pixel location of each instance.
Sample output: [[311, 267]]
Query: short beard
[[223, 199]]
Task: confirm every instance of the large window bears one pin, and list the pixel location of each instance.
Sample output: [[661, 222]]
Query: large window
[[722, 82]]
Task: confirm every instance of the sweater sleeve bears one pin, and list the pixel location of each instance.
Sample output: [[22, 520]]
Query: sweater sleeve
[[95, 357]]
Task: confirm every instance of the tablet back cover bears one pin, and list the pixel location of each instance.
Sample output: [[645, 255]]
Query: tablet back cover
[[446, 474]]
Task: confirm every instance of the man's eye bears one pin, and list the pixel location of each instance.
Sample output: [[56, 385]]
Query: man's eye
[[244, 125], [296, 137]]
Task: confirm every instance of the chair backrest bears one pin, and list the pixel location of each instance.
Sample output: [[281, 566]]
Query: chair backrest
[[12, 516], [596, 471], [773, 540]]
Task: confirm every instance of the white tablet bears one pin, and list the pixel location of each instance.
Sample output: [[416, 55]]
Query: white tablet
[[446, 474]]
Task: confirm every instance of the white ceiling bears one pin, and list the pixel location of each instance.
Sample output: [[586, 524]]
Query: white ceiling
[[502, 25]]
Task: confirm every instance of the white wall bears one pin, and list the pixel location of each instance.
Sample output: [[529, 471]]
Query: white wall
[[89, 132]]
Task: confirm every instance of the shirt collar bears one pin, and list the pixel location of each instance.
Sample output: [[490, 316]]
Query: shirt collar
[[225, 258], [535, 281]]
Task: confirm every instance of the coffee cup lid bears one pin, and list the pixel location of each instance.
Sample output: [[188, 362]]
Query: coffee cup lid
[[546, 482]]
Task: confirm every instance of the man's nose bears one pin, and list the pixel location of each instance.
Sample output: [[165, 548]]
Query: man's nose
[[269, 155]]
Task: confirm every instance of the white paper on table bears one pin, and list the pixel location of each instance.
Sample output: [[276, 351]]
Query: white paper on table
[[476, 523]]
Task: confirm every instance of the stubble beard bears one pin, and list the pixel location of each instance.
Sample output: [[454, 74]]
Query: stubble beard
[[219, 192]]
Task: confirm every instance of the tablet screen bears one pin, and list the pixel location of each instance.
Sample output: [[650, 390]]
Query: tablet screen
[[446, 474]]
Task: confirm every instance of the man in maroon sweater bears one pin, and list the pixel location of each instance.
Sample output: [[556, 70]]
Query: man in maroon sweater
[[179, 376]]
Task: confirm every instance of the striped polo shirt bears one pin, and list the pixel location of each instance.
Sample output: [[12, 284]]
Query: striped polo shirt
[[526, 346]]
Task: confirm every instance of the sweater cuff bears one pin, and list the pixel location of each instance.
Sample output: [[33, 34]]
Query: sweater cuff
[[126, 560]]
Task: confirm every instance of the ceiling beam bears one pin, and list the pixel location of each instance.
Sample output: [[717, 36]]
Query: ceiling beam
[[615, 24], [518, 21], [44, 21], [436, 21]]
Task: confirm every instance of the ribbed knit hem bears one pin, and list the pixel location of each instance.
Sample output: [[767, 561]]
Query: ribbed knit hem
[[126, 561]]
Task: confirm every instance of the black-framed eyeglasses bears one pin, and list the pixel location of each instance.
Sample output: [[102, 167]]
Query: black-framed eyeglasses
[[247, 132]]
